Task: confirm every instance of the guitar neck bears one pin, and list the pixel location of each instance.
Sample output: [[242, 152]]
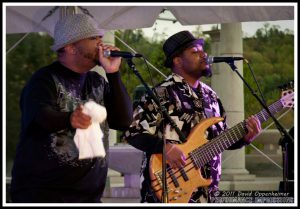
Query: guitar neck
[[205, 153]]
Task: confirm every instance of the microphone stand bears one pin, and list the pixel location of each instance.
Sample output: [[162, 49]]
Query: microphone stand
[[285, 135], [288, 167], [165, 115]]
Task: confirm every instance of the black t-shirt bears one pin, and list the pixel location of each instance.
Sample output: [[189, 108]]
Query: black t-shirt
[[47, 157]]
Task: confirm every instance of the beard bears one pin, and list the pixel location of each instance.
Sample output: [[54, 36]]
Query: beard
[[98, 62], [93, 57], [199, 72], [96, 58], [207, 72]]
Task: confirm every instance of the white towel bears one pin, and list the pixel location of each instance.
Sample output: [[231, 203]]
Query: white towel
[[89, 141]]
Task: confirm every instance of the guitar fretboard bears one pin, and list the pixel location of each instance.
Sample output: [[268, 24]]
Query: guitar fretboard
[[208, 151]]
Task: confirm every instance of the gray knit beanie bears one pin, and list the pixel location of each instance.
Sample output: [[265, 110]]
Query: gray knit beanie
[[72, 28]]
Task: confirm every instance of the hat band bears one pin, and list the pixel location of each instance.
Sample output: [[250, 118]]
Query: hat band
[[182, 46]]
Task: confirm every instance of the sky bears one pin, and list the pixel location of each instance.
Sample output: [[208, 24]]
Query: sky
[[170, 28]]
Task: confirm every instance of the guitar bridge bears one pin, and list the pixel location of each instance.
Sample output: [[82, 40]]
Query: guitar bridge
[[159, 178]]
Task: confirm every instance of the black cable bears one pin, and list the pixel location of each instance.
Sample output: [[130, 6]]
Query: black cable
[[254, 77]]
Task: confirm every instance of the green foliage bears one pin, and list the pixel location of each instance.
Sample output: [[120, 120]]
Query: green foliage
[[32, 53], [248, 149], [152, 51], [271, 55], [270, 52]]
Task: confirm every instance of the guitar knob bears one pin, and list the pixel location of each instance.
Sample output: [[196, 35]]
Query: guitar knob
[[176, 191], [175, 198]]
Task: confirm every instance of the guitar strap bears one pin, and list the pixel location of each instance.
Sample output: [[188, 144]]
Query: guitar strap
[[210, 105], [201, 104]]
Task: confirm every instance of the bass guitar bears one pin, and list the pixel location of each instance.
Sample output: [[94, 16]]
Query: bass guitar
[[182, 182]]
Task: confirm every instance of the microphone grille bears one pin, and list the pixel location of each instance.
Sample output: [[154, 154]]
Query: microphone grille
[[106, 53], [210, 60]]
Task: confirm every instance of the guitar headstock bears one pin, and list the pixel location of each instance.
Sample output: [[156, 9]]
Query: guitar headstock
[[287, 95]]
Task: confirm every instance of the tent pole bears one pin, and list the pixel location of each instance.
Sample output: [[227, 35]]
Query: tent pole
[[67, 10]]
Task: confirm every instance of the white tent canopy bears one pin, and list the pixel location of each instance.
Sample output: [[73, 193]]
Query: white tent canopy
[[24, 19]]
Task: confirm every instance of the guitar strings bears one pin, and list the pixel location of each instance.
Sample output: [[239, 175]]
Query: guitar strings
[[204, 151], [261, 115]]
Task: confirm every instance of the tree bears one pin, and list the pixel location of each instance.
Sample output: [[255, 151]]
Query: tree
[[152, 51], [21, 63], [270, 51]]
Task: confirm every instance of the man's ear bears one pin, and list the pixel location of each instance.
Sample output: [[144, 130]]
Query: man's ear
[[70, 49], [177, 61]]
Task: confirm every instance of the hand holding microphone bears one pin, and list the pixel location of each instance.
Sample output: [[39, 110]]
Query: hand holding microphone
[[109, 64], [113, 54]]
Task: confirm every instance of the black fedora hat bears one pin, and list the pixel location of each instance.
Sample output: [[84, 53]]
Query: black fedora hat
[[177, 43]]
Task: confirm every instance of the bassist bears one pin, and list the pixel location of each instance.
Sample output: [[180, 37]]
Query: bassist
[[188, 101]]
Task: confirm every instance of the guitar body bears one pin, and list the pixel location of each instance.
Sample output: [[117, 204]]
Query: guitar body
[[181, 183], [182, 192]]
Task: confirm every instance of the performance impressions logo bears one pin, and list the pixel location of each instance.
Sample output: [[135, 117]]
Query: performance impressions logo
[[252, 197]]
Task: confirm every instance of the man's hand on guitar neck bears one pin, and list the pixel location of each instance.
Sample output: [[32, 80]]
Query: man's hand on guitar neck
[[254, 128], [174, 156]]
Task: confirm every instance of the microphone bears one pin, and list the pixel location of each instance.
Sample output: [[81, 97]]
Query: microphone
[[120, 54], [211, 60]]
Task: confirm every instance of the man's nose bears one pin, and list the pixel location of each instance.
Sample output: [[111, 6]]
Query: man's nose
[[203, 54]]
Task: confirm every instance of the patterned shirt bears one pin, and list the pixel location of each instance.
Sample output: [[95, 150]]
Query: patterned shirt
[[187, 107]]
